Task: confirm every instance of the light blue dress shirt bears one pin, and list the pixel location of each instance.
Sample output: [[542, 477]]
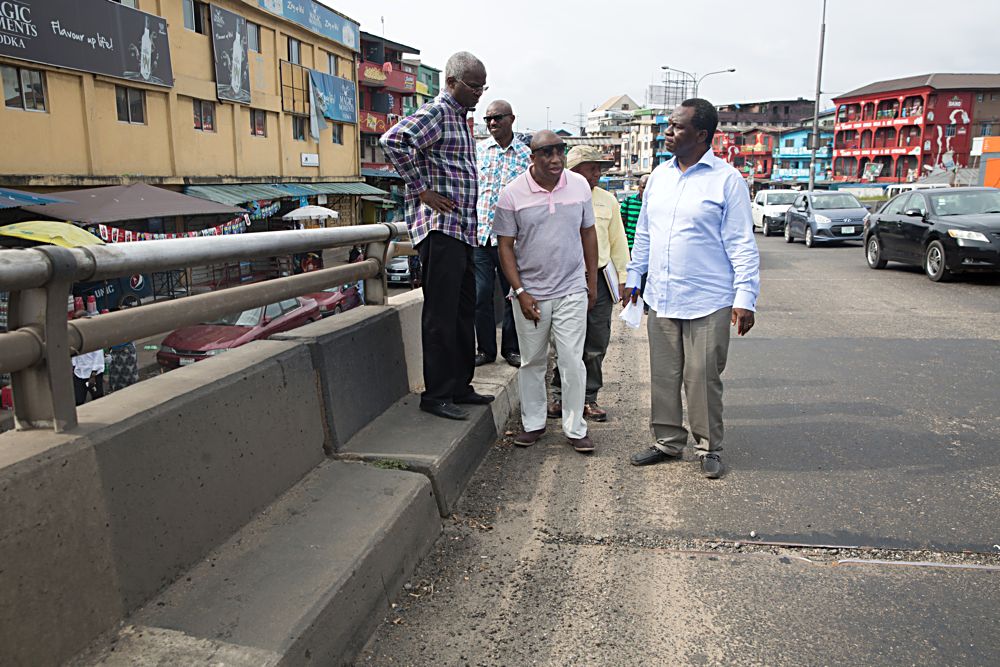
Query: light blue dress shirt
[[695, 238]]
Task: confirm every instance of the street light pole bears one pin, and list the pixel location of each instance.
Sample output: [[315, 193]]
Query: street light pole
[[819, 79]]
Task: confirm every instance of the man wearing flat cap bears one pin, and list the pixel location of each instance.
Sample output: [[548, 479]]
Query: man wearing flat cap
[[612, 259]]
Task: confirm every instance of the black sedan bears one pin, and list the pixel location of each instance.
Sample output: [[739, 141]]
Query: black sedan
[[946, 231]]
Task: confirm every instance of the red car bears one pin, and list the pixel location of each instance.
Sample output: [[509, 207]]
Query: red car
[[336, 299], [201, 341]]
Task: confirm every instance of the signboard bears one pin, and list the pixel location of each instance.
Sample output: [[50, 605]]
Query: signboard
[[373, 122], [872, 171], [310, 160], [314, 16], [88, 35], [336, 97], [229, 43]]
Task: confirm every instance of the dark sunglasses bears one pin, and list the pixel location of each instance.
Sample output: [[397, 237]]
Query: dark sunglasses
[[498, 117], [550, 150]]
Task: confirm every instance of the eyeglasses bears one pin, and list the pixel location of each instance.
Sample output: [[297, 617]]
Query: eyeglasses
[[550, 150], [475, 89], [498, 117]]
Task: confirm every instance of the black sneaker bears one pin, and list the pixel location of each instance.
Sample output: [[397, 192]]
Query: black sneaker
[[648, 457], [711, 466]]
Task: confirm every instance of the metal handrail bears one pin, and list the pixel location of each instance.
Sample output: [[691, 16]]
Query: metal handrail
[[37, 348]]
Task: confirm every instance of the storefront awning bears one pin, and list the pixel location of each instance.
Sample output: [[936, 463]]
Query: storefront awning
[[117, 203], [379, 173], [14, 198], [235, 195]]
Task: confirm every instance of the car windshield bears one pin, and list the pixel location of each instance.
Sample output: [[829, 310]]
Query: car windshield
[[968, 202], [839, 200], [248, 318], [780, 198]]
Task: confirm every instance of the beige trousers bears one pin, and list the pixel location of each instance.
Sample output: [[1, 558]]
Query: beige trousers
[[692, 354]]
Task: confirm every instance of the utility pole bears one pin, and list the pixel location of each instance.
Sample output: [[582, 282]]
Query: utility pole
[[814, 144]]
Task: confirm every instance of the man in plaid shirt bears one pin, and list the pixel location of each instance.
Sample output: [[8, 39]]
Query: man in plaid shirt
[[434, 152], [502, 157]]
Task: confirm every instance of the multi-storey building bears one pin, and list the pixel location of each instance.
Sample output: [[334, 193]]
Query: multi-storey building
[[896, 130], [771, 113], [638, 145], [428, 81], [792, 154], [203, 98], [386, 89]]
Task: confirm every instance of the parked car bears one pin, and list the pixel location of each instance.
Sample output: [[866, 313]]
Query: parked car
[[769, 208], [945, 231], [187, 345], [825, 217], [403, 270], [336, 299]]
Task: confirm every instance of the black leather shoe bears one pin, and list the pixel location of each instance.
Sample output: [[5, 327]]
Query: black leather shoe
[[482, 360], [475, 399], [513, 358], [648, 457], [444, 409], [711, 466]]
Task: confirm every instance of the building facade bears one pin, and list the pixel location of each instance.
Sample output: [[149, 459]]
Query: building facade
[[176, 94], [792, 155], [897, 130], [638, 145], [386, 89], [771, 113]]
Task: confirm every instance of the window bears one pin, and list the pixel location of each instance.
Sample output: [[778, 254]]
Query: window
[[294, 88], [338, 133], [23, 88], [986, 130], [334, 63], [131, 103], [273, 311], [786, 109], [128, 3], [979, 97], [949, 130], [204, 115], [789, 143], [253, 36], [258, 122], [196, 16], [294, 51], [299, 128]]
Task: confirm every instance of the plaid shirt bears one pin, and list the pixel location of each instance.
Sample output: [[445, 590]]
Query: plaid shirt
[[497, 167], [630, 216], [434, 150]]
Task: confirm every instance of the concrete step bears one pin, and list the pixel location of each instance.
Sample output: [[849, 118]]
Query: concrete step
[[304, 583]]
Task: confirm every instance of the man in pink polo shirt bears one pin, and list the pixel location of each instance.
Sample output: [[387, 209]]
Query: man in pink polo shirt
[[548, 250]]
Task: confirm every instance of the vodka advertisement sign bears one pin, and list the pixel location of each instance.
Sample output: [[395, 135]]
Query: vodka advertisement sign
[[232, 68], [90, 35]]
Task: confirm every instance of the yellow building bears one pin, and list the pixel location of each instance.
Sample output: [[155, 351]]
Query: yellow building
[[75, 116]]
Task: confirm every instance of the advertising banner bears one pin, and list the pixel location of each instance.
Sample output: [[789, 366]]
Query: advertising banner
[[232, 69], [89, 35], [321, 20], [336, 97]]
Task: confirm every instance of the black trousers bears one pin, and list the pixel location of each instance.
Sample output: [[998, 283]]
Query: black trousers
[[448, 322], [81, 390]]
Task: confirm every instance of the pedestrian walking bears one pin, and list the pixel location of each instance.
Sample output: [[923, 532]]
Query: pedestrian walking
[[122, 366], [695, 237], [548, 250], [612, 260], [630, 210], [88, 372], [433, 150], [500, 159]]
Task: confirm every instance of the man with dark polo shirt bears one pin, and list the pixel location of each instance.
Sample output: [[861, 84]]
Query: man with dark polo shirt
[[548, 250]]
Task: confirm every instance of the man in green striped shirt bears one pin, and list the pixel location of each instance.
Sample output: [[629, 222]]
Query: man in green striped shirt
[[630, 211]]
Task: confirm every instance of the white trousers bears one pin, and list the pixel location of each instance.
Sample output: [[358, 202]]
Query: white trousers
[[565, 319]]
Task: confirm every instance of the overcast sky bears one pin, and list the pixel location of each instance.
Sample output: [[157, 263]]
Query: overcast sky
[[564, 55]]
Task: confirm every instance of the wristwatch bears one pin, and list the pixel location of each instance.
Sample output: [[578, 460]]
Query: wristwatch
[[518, 292]]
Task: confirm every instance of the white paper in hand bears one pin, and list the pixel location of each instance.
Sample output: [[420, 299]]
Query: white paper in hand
[[632, 313]]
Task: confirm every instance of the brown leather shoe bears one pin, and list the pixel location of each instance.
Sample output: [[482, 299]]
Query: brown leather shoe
[[554, 410], [583, 445], [528, 438], [593, 412]]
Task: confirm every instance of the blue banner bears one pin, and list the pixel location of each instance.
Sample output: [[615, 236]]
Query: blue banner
[[321, 20], [336, 97]]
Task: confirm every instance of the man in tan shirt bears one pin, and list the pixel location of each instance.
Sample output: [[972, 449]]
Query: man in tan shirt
[[612, 247]]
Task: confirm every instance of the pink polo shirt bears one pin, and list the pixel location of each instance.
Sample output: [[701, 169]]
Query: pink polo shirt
[[546, 230]]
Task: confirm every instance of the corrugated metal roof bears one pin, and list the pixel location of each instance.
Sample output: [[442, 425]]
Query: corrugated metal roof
[[379, 173], [235, 195], [939, 81]]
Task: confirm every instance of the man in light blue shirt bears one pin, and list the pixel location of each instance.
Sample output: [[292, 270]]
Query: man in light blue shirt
[[695, 238]]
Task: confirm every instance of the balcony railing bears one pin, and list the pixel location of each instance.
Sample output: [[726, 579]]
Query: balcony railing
[[37, 348], [372, 74]]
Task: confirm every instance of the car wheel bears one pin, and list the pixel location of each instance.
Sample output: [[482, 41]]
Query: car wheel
[[935, 262], [788, 233], [873, 253], [765, 230], [810, 242], [338, 310]]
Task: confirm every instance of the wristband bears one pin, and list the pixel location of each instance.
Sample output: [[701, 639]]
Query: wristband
[[518, 292]]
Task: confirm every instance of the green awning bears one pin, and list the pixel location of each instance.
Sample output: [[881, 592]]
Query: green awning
[[234, 195]]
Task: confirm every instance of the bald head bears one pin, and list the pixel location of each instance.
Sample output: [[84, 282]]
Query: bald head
[[498, 107], [544, 138]]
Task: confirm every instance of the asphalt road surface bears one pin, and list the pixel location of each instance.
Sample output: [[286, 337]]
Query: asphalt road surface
[[862, 454]]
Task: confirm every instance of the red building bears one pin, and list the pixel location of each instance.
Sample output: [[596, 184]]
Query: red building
[[747, 150], [385, 93], [896, 130]]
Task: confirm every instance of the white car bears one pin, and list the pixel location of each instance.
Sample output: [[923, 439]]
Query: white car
[[769, 208]]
